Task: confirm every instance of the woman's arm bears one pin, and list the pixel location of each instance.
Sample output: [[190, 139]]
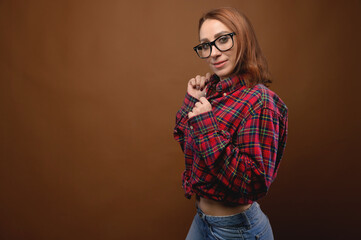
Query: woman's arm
[[249, 167], [182, 118], [196, 88]]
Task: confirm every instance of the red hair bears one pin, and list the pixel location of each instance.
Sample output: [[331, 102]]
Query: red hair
[[251, 62]]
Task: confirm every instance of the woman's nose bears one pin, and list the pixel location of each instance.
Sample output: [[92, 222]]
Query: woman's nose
[[215, 52]]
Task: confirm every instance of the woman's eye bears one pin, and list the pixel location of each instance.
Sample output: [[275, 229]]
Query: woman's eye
[[223, 39], [205, 46]]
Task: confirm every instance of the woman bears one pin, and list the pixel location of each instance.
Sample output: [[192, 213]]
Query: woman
[[232, 130]]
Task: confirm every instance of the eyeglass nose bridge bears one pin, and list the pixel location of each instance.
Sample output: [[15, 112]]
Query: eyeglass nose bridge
[[213, 44]]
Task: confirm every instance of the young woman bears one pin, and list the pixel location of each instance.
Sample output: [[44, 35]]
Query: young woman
[[232, 130]]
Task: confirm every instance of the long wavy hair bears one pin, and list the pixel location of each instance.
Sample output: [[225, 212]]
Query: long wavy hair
[[251, 62]]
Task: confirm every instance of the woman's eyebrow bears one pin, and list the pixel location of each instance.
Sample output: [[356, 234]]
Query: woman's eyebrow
[[215, 36]]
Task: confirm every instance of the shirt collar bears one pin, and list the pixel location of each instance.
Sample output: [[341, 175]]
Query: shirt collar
[[228, 84]]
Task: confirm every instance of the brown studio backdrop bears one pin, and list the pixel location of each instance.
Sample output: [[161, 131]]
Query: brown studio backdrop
[[88, 95]]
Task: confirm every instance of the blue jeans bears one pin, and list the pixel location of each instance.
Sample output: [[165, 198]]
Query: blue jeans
[[250, 224]]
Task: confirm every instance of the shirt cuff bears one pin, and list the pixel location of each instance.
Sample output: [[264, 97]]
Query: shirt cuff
[[188, 104], [202, 124]]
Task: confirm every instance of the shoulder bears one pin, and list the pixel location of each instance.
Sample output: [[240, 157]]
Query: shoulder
[[262, 97]]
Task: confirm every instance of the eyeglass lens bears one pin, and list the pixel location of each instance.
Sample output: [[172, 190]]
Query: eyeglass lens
[[223, 43]]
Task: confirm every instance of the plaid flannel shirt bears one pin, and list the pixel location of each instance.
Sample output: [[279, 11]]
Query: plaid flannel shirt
[[232, 153]]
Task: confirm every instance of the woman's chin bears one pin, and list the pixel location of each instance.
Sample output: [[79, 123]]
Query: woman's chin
[[221, 73]]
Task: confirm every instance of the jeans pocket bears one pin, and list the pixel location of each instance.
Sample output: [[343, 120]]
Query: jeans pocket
[[225, 233]]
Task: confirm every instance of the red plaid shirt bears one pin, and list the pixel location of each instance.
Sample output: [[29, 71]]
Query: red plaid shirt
[[232, 153]]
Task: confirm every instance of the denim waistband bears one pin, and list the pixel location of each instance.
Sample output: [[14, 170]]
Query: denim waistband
[[240, 219]]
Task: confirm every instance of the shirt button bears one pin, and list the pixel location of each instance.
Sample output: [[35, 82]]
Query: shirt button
[[191, 127], [224, 94]]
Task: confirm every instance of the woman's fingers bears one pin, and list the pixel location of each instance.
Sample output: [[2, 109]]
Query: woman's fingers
[[208, 76], [198, 82], [192, 82], [191, 114], [202, 101], [197, 85], [204, 80], [202, 83], [200, 107]]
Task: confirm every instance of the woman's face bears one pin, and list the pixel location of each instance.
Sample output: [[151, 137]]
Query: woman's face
[[221, 63]]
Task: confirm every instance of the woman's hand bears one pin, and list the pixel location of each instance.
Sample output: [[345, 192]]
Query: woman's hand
[[200, 107], [197, 86]]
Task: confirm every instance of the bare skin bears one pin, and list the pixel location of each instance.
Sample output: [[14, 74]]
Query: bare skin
[[214, 208]]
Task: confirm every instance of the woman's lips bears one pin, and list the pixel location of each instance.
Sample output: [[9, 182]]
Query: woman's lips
[[219, 64]]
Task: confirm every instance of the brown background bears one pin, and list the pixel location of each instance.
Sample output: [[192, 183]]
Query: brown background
[[88, 96]]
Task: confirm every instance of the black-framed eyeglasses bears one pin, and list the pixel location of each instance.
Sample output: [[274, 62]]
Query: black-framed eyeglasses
[[222, 43]]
